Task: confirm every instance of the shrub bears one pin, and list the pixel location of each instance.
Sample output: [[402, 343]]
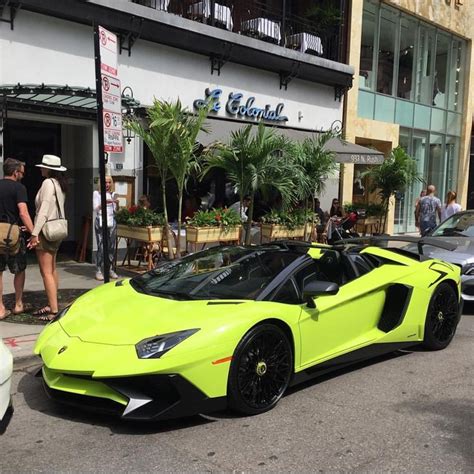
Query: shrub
[[215, 217], [135, 216]]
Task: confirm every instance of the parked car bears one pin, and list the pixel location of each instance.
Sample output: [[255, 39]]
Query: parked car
[[6, 370], [234, 326], [458, 230]]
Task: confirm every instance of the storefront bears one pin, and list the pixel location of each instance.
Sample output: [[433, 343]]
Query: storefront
[[412, 89]]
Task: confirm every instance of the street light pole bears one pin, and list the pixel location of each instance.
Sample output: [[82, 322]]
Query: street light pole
[[100, 127]]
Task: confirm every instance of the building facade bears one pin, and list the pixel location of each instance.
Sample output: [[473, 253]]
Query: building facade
[[412, 87], [263, 62]]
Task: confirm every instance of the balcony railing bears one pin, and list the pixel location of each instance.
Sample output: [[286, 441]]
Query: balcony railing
[[256, 19]]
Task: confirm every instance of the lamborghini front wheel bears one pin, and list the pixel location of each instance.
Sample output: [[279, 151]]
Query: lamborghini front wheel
[[260, 371], [442, 317]]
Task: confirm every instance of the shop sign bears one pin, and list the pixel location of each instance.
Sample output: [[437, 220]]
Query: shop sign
[[237, 106]]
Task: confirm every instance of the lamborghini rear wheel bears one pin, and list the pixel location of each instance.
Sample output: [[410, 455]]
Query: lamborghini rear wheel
[[442, 317], [260, 371]]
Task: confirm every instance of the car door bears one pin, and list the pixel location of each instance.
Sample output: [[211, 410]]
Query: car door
[[344, 321]]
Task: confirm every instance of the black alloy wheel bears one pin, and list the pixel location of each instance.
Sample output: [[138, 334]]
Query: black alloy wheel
[[442, 317], [261, 370]]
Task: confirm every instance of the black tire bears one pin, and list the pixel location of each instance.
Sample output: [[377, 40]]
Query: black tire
[[442, 318], [261, 370]]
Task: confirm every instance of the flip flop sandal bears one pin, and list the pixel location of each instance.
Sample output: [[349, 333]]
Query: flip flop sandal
[[5, 315], [48, 317], [43, 311]]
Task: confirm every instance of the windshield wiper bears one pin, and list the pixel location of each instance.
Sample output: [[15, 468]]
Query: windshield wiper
[[453, 232]]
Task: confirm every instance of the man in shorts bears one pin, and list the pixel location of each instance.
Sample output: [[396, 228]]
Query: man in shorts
[[14, 210]]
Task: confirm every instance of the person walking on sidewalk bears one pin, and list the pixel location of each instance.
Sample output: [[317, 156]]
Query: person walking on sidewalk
[[49, 204], [427, 209], [112, 205], [14, 210]]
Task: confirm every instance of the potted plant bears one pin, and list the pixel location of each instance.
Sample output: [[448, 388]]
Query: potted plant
[[394, 175], [140, 224], [286, 224], [215, 225]]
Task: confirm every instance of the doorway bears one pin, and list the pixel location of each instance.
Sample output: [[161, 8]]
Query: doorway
[[28, 141]]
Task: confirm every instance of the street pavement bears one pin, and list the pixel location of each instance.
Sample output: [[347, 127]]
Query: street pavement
[[411, 411], [20, 338]]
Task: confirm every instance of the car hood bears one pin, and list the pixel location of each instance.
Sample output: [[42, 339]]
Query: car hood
[[119, 315], [464, 252]]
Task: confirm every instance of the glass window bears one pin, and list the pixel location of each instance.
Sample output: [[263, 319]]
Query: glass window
[[456, 73], [366, 104], [407, 53], [222, 272], [437, 164], [422, 117], [424, 65], [452, 155], [457, 225], [440, 81], [366, 72], [438, 120], [287, 294], [386, 61], [384, 108], [404, 113], [454, 124]]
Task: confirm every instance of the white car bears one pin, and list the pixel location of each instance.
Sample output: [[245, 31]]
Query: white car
[[6, 370]]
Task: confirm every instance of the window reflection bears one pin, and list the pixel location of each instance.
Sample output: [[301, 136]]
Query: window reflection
[[441, 70], [456, 70], [366, 74], [405, 63], [388, 29]]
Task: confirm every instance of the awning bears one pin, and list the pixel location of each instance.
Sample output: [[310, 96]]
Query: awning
[[345, 152], [56, 99]]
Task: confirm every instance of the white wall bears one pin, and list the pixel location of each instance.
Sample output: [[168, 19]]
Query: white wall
[[52, 51]]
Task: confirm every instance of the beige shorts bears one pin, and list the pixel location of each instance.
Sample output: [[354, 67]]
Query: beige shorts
[[47, 245]]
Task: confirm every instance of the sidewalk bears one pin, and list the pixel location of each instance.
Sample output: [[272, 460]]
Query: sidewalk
[[21, 338]]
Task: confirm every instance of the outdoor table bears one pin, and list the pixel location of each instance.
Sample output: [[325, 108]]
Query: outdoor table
[[262, 28], [222, 14], [305, 43]]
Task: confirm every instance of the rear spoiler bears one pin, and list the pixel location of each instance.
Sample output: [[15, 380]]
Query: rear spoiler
[[419, 241]]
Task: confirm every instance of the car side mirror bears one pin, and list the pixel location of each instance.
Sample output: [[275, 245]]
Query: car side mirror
[[318, 288]]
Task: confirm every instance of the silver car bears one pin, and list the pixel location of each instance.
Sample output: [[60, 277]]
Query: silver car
[[458, 230]]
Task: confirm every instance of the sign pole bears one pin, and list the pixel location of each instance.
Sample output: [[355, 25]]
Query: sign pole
[[100, 127]]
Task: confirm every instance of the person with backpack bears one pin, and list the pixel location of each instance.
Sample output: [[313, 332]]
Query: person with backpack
[[14, 218]]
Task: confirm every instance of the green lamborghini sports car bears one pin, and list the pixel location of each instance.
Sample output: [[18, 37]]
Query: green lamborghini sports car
[[234, 326]]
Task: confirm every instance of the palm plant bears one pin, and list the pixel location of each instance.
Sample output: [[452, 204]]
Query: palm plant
[[257, 161], [395, 174], [160, 142], [317, 162], [182, 129]]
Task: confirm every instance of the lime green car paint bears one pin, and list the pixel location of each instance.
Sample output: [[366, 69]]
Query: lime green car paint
[[96, 339]]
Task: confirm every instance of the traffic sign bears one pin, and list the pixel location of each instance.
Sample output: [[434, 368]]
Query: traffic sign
[[108, 51]]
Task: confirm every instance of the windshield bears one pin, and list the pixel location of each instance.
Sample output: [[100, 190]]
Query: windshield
[[217, 273], [458, 225]]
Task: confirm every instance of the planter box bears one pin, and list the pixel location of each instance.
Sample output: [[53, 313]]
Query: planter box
[[201, 235], [145, 234], [274, 231]]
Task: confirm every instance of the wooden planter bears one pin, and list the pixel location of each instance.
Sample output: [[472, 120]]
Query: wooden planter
[[274, 231], [203, 235], [144, 234]]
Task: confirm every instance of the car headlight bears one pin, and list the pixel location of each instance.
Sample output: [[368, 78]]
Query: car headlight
[[155, 347], [468, 269]]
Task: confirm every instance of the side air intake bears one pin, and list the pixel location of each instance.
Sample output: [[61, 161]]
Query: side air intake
[[395, 307]]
